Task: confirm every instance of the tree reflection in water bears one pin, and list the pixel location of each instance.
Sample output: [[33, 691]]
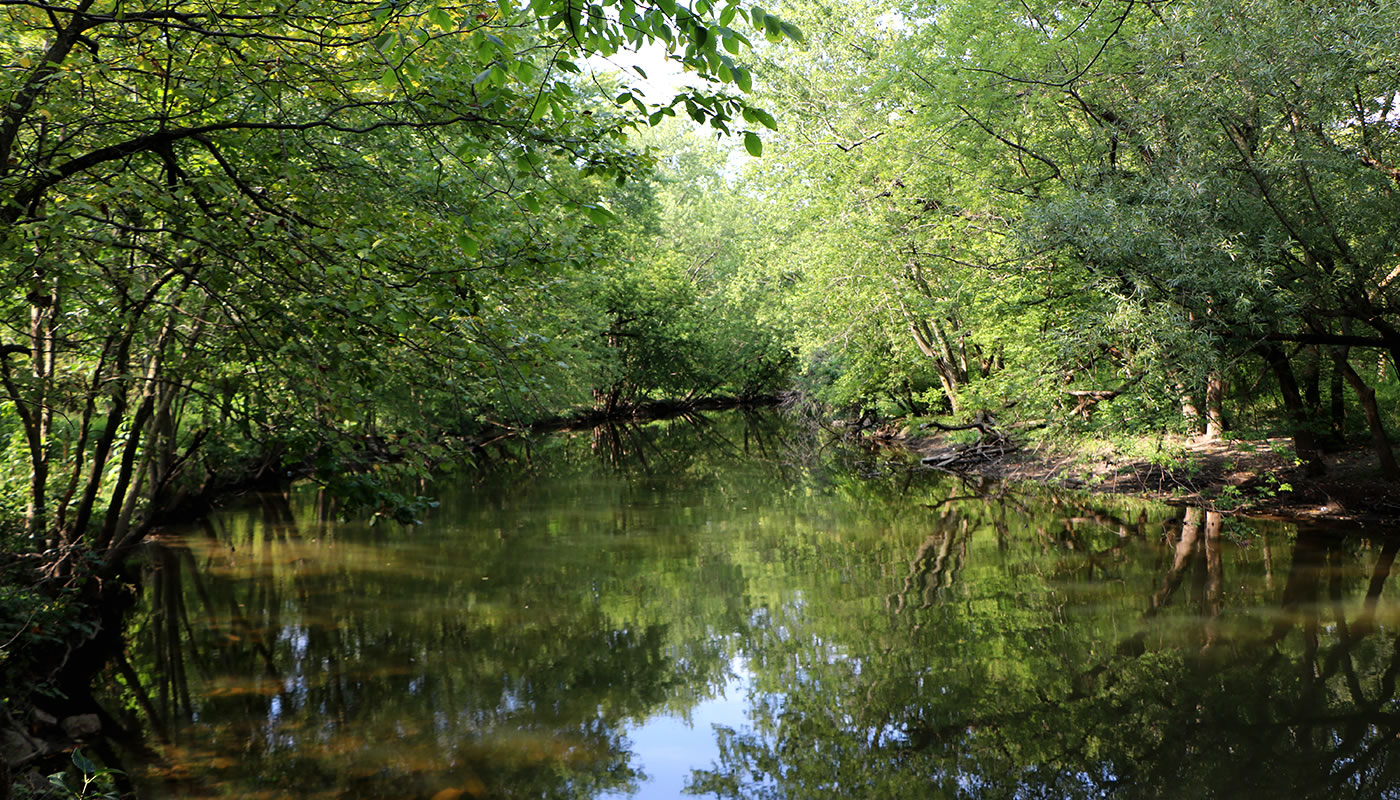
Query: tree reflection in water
[[351, 675], [942, 699], [899, 634]]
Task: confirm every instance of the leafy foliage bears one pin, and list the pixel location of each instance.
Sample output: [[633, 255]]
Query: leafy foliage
[[1018, 206], [244, 235]]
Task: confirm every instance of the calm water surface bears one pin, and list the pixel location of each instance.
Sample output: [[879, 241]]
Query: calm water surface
[[728, 609]]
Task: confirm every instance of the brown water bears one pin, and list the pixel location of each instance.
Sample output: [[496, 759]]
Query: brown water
[[733, 610]]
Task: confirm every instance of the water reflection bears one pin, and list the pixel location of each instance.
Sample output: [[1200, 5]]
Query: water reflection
[[825, 626]]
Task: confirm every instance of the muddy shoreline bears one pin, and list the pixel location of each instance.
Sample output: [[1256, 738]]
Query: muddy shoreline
[[1257, 478]]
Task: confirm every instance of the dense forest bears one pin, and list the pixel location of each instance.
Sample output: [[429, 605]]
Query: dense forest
[[349, 241], [248, 238], [1145, 214]]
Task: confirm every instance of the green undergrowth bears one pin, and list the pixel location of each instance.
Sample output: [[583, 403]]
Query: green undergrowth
[[36, 619]]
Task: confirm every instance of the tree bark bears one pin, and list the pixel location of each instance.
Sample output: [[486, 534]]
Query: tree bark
[[925, 337], [1337, 401], [1380, 441], [1215, 405], [933, 342], [1190, 412], [1304, 442], [1312, 378]]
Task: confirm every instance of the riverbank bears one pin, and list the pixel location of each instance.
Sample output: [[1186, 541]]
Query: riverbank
[[1258, 477]]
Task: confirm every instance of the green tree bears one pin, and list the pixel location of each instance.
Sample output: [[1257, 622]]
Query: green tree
[[895, 255], [1126, 207], [251, 234], [686, 315]]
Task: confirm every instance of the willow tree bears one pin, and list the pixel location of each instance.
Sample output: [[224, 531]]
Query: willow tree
[[1143, 201], [239, 233], [900, 221], [1239, 205]]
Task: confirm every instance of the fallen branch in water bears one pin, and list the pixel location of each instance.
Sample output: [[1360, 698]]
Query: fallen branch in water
[[991, 445]]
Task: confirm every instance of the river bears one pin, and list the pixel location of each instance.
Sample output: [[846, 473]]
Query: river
[[732, 608]]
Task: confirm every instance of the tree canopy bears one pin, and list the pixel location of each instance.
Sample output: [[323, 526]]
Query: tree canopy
[[243, 236], [246, 237], [1139, 212]]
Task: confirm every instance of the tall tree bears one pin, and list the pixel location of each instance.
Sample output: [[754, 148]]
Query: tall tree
[[295, 223], [1134, 202]]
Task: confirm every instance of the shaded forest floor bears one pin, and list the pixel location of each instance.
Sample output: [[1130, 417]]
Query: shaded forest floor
[[1254, 477]]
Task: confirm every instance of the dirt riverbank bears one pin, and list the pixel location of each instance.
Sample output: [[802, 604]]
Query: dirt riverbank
[[1259, 477]]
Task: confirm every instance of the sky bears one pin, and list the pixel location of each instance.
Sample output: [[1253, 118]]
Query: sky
[[663, 77]]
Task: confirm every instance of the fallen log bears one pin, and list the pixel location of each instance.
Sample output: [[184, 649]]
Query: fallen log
[[992, 445]]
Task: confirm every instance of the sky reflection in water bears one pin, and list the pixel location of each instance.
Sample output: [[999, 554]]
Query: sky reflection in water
[[743, 611]]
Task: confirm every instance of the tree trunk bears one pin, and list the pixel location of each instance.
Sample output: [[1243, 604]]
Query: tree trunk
[[1391, 336], [1379, 440], [43, 316], [79, 461], [1337, 401], [1215, 405], [1312, 379], [932, 345], [135, 460], [115, 414], [1190, 411], [1304, 442]]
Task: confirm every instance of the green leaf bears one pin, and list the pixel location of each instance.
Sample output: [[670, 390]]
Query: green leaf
[[743, 79], [440, 18], [83, 763], [773, 29], [753, 144], [599, 215], [469, 245]]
